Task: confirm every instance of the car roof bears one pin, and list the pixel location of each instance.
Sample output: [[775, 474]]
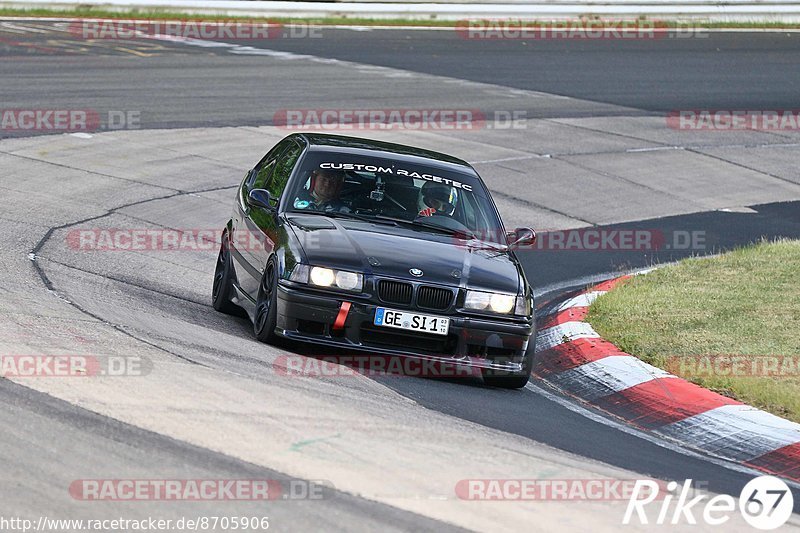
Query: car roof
[[320, 142]]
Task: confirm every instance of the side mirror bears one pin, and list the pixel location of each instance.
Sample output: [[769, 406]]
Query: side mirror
[[521, 237], [260, 198]]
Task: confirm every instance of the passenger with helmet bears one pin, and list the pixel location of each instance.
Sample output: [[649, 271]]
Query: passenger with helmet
[[323, 192], [437, 199]]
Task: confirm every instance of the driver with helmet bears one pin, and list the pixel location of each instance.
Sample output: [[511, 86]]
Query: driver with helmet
[[323, 192], [437, 199]]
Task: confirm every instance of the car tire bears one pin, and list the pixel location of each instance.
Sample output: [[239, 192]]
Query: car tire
[[512, 380], [266, 313], [222, 288]]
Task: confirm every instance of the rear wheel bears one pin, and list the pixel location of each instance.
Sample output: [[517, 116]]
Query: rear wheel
[[267, 305], [512, 380], [222, 289]]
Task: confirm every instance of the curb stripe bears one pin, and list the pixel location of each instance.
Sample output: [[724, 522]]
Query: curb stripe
[[575, 359], [607, 376], [572, 354], [583, 299], [738, 432], [610, 284], [784, 461], [660, 402], [573, 314], [551, 337]]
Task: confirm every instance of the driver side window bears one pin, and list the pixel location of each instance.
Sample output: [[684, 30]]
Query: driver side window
[[263, 171], [283, 169], [262, 175]]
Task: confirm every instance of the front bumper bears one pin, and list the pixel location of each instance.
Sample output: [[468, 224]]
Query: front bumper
[[307, 315]]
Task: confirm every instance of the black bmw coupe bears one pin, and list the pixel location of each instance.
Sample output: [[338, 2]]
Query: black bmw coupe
[[379, 247]]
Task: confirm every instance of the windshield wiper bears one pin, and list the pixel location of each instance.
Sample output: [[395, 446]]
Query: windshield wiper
[[353, 216], [464, 234], [441, 229], [392, 221]]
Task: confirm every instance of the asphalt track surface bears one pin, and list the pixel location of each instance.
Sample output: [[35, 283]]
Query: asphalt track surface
[[179, 86], [689, 71], [183, 86]]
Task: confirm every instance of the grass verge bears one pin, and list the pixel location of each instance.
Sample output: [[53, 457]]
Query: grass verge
[[166, 14], [688, 318]]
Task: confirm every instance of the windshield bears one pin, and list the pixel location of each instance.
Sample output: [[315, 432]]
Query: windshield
[[380, 189]]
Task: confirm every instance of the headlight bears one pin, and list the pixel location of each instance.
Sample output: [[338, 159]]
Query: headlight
[[348, 281], [494, 302], [324, 277], [502, 303], [327, 277]]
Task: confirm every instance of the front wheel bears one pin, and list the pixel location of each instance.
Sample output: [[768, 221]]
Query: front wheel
[[223, 281], [267, 305], [512, 380]]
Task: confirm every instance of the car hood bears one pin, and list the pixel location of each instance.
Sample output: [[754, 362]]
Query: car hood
[[391, 251]]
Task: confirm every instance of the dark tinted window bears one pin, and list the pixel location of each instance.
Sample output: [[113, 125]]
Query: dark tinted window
[[262, 174], [283, 169], [264, 169], [418, 194]]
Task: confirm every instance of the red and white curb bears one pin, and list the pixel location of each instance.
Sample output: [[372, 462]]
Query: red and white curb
[[572, 357]]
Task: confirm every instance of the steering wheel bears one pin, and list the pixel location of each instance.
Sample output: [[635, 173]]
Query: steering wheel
[[445, 222]]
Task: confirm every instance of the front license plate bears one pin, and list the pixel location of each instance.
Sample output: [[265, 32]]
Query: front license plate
[[411, 321]]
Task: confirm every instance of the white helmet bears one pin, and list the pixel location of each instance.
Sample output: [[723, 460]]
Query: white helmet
[[438, 196]]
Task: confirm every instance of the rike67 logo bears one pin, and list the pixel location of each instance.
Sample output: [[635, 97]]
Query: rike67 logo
[[765, 503]]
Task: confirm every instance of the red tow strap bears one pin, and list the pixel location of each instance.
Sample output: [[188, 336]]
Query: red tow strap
[[342, 316]]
